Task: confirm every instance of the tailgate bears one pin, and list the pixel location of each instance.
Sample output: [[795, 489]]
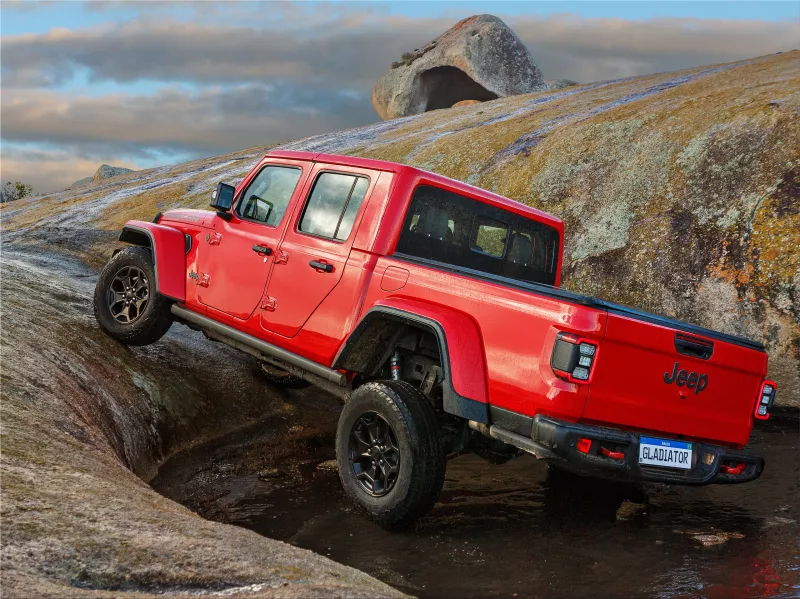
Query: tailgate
[[653, 376]]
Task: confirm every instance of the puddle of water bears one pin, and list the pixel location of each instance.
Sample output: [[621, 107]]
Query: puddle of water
[[522, 530]]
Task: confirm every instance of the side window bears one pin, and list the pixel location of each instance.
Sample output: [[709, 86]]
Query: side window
[[452, 229], [266, 198], [333, 205]]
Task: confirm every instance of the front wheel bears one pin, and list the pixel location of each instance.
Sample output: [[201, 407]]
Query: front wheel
[[390, 456], [126, 304]]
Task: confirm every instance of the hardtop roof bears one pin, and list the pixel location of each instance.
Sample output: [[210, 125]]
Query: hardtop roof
[[394, 167]]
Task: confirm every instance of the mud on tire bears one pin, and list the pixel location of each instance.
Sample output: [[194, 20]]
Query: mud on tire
[[126, 304], [410, 424]]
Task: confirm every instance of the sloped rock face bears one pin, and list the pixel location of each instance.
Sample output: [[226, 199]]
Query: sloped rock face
[[680, 194], [83, 416], [479, 58], [83, 181]]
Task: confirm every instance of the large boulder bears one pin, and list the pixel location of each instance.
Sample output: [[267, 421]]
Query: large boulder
[[107, 171], [479, 58]]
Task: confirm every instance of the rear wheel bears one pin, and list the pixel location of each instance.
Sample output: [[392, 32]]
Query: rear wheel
[[391, 461], [126, 304]]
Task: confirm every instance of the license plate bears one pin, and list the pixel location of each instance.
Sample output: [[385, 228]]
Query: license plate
[[665, 453]]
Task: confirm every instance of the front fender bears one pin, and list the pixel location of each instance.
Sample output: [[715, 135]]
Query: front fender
[[169, 254], [460, 345]]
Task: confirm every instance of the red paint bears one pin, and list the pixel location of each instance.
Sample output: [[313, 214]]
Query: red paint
[[169, 253], [614, 455], [499, 337]]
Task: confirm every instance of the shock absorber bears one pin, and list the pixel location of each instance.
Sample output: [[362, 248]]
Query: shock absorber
[[394, 365]]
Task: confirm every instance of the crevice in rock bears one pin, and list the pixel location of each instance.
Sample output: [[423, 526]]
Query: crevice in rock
[[444, 86]]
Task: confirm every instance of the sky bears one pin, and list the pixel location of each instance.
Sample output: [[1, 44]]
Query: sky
[[142, 84]]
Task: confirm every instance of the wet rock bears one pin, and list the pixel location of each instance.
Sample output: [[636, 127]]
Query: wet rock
[[711, 539], [560, 83], [86, 421], [328, 466], [630, 510], [269, 473], [478, 59]]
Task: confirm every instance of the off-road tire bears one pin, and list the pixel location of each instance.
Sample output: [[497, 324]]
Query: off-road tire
[[155, 318], [422, 459]]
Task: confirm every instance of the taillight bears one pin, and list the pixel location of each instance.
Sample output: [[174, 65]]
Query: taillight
[[765, 401], [573, 358]]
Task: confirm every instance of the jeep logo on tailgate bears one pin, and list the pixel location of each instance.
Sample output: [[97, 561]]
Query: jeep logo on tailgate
[[692, 380]]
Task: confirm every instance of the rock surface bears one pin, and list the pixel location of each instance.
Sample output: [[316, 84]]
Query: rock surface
[[479, 58], [105, 171], [85, 420], [560, 83], [680, 194]]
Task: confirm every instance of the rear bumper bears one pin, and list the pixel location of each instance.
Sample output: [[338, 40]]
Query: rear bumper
[[557, 441]]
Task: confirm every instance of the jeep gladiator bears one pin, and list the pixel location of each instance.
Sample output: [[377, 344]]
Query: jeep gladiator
[[433, 309]]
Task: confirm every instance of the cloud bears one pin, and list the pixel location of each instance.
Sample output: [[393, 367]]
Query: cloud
[[352, 49], [49, 169], [214, 119], [236, 76], [173, 121]]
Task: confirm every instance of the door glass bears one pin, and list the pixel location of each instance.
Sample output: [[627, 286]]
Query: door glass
[[350, 212], [333, 205], [266, 198]]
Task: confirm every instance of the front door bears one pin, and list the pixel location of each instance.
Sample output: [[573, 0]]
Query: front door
[[235, 258], [313, 253]]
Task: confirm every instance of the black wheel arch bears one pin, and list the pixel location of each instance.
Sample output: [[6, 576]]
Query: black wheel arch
[[371, 343]]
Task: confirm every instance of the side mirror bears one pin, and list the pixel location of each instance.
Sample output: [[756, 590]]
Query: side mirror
[[222, 197]]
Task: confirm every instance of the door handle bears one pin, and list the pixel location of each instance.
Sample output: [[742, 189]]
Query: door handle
[[262, 249], [323, 266]]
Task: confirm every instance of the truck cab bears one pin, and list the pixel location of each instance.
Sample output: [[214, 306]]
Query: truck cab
[[434, 310]]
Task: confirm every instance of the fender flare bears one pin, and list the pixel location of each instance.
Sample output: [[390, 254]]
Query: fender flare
[[460, 351], [169, 254]]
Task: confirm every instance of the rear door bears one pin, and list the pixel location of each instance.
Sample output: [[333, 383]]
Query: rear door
[[312, 256], [662, 379]]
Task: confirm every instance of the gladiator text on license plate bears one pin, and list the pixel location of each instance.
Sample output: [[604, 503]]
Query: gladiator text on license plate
[[665, 452]]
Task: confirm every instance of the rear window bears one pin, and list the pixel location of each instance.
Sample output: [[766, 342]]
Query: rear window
[[453, 229]]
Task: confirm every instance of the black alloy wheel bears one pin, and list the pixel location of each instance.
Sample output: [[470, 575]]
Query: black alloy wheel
[[128, 295], [388, 448], [127, 304], [374, 454]]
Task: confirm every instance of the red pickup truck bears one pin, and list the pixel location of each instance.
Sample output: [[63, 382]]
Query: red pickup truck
[[433, 309]]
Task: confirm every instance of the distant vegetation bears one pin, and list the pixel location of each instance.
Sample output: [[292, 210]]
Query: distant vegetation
[[14, 191]]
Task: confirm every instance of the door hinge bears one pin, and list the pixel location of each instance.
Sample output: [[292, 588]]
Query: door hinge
[[213, 238], [203, 280], [281, 257], [268, 303]]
